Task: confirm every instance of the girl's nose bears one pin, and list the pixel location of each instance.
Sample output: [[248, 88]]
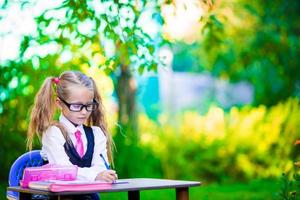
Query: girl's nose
[[84, 111]]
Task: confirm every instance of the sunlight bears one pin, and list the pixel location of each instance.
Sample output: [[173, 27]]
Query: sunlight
[[182, 20], [18, 21]]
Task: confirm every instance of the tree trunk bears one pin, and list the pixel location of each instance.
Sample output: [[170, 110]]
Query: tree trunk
[[126, 91]]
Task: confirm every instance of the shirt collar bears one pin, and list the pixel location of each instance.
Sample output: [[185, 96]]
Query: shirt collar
[[70, 127]]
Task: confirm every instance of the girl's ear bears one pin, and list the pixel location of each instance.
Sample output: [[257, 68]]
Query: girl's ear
[[58, 103]]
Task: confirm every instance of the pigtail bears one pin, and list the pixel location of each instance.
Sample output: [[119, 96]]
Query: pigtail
[[41, 116], [97, 118]]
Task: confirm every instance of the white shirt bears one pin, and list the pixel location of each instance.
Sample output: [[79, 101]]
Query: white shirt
[[53, 148]]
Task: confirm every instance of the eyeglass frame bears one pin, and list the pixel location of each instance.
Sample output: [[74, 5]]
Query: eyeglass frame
[[81, 105]]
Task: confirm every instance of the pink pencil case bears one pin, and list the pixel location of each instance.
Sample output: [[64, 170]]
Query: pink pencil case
[[68, 186], [48, 172]]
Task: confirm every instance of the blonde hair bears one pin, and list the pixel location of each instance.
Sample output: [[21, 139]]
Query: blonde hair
[[44, 108]]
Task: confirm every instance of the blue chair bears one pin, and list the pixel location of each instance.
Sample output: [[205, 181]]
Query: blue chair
[[29, 159]]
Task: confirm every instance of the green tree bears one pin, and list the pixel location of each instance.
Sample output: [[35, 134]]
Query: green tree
[[102, 34], [111, 29], [257, 41]]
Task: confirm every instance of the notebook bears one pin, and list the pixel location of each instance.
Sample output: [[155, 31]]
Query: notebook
[[69, 186]]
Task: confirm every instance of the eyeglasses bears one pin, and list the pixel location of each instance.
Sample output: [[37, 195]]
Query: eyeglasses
[[77, 107]]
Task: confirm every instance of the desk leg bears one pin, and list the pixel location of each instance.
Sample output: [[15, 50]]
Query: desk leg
[[182, 193], [24, 196], [134, 195]]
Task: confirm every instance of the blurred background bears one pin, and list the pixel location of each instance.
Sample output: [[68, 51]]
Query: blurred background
[[204, 90]]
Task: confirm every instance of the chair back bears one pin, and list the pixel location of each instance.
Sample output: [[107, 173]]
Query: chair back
[[29, 159]]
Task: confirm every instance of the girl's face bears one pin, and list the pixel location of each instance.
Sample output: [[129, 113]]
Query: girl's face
[[79, 95]]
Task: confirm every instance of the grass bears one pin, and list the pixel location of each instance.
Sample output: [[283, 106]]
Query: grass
[[255, 190]]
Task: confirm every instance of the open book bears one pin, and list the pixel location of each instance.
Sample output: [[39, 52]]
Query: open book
[[66, 186]]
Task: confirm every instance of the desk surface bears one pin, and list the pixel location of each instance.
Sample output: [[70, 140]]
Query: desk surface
[[135, 184]]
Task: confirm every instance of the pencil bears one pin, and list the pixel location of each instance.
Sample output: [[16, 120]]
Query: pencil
[[105, 163]]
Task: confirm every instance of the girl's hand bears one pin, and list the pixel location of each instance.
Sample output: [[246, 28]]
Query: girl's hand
[[107, 175]]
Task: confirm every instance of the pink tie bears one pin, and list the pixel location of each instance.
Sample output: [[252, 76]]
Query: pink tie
[[79, 143]]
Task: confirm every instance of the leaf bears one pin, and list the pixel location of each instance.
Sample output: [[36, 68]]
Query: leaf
[[141, 69], [107, 70], [216, 22], [151, 49], [153, 67]]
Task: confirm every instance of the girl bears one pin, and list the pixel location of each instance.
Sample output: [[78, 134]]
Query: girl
[[68, 141]]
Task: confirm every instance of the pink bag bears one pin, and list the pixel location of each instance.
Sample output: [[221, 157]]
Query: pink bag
[[48, 172]]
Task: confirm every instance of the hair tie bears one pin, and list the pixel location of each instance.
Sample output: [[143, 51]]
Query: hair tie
[[55, 80]]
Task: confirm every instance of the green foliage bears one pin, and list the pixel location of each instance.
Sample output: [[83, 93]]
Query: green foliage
[[133, 159], [242, 144], [115, 32], [297, 184], [287, 191], [257, 41], [290, 189]]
